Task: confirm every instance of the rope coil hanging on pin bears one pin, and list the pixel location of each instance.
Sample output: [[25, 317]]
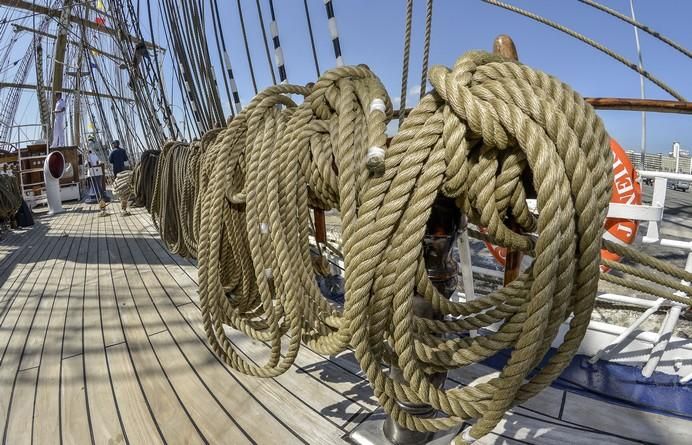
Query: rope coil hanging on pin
[[10, 196], [492, 133]]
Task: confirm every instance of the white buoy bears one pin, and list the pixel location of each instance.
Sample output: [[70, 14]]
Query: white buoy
[[53, 170]]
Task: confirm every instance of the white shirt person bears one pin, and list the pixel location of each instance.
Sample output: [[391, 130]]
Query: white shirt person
[[59, 123]]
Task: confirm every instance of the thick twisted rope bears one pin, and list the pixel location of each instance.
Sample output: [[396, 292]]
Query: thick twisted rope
[[491, 133], [143, 178], [10, 196], [426, 47], [405, 62], [122, 186]]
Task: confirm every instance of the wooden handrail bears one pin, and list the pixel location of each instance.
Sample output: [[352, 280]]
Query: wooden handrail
[[627, 104]]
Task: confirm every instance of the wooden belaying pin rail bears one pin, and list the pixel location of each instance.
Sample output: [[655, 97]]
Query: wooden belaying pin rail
[[505, 47], [320, 226], [626, 104]]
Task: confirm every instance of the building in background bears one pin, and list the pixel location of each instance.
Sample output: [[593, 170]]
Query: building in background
[[663, 162]]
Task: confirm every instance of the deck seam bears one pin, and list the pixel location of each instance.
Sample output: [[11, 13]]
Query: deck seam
[[44, 266], [147, 335], [111, 246], [297, 367], [203, 341]]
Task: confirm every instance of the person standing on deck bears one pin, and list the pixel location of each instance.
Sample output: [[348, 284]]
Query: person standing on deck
[[95, 171], [59, 123], [117, 158]]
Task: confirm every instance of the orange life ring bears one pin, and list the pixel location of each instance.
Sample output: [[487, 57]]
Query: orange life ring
[[626, 190]]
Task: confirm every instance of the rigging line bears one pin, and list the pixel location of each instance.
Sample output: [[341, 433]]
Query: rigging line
[[312, 38], [227, 60], [99, 103], [632, 21], [247, 47], [201, 64], [155, 72], [266, 44], [278, 52], [199, 67], [426, 48], [188, 76], [139, 86], [114, 103], [168, 114], [217, 24], [188, 84], [189, 117], [333, 32], [144, 104], [590, 42], [180, 59], [206, 64], [641, 82], [407, 54], [176, 71]]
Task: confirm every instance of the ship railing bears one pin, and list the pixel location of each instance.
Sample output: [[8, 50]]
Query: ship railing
[[651, 213]]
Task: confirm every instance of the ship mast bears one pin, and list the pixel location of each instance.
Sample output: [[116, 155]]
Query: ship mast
[[66, 18], [59, 54]]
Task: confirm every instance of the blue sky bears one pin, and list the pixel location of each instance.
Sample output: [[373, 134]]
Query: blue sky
[[372, 33]]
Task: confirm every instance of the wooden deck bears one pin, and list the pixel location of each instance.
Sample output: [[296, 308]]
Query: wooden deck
[[101, 342]]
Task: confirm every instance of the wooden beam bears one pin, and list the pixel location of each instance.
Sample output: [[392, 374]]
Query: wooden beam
[[44, 10], [504, 46], [624, 104], [649, 105], [19, 28], [26, 86], [60, 48]]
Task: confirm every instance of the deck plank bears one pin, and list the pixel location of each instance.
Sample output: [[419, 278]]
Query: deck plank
[[283, 404], [206, 366], [99, 332], [75, 418], [341, 393], [46, 425], [195, 396], [140, 425], [24, 305], [170, 414], [18, 429], [20, 270], [608, 417], [101, 341], [290, 408]]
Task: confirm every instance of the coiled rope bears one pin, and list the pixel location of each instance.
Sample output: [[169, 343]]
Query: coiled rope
[[10, 196], [491, 133], [122, 186], [143, 178]]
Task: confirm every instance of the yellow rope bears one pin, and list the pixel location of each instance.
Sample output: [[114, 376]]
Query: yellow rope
[[122, 188], [490, 133], [10, 196]]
